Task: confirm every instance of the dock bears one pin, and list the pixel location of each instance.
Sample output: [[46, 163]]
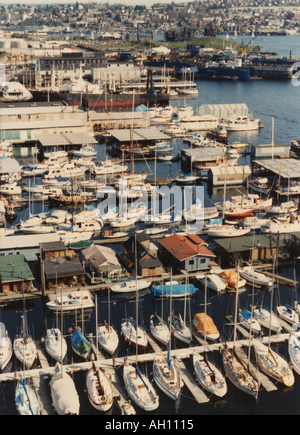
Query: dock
[[191, 383]]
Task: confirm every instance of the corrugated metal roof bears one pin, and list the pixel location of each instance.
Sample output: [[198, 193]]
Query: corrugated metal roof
[[27, 241], [247, 243], [287, 168], [14, 268], [62, 139], [140, 135], [231, 170]]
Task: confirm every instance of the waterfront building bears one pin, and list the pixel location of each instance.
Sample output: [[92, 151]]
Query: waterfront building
[[185, 252], [15, 274]]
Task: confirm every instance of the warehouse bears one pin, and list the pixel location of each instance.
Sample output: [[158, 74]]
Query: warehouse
[[223, 111]]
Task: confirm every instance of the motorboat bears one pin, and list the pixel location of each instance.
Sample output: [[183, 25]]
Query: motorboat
[[33, 171], [85, 152], [255, 222], [139, 388], [33, 221], [74, 236], [242, 123], [131, 285], [227, 231], [63, 392], [69, 170], [287, 313], [71, 301], [134, 334], [213, 281], [294, 347], [25, 399], [99, 389], [249, 322], [276, 226], [283, 208], [260, 185], [189, 91], [108, 338], [175, 130], [206, 327], [185, 111], [108, 168], [167, 376], [10, 189], [209, 376], [38, 229], [188, 179], [238, 212], [253, 277], [273, 364], [137, 211], [55, 344], [267, 319], [54, 158], [58, 217], [6, 349], [160, 330]]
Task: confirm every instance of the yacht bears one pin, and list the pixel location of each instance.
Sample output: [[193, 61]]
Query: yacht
[[69, 170], [107, 167], [242, 123], [71, 301], [260, 185]]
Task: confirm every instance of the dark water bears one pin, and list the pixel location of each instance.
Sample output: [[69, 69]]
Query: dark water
[[265, 99]]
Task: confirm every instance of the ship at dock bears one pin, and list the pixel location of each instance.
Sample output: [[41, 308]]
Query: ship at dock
[[231, 69]]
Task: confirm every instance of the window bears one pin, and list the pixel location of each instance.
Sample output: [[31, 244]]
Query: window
[[191, 262], [203, 260]]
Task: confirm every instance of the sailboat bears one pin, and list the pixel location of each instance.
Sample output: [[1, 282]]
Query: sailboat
[[79, 343], [63, 392], [159, 329], [178, 325], [5, 347], [269, 361], [206, 372], [24, 346], [237, 366], [165, 373], [25, 399], [294, 347], [99, 389], [108, 337], [138, 386]]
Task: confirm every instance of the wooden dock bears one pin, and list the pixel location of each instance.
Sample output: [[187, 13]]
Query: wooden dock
[[191, 383]]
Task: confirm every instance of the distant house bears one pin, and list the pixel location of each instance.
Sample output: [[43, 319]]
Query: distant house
[[185, 252], [15, 274], [59, 265], [148, 262], [102, 261]]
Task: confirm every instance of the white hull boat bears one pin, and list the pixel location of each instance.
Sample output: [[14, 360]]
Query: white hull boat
[[253, 277], [134, 334], [6, 349], [288, 314], [25, 350], [140, 389], [267, 320], [71, 301], [26, 400], [209, 376], [250, 323], [180, 330], [228, 231], [99, 389], [167, 376], [131, 286], [214, 282], [108, 338], [294, 347], [55, 344], [160, 330], [63, 392]]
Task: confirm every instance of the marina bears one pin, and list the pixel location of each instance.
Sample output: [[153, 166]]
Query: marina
[[108, 201]]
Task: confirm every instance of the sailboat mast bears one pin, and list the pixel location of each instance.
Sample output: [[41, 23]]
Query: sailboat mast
[[236, 304]]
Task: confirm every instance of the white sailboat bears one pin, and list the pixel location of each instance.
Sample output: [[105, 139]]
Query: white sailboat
[[167, 376], [55, 344], [178, 326], [237, 366], [99, 389], [159, 329], [108, 337], [24, 345], [6, 349], [25, 399], [63, 392], [269, 361], [294, 347], [206, 372]]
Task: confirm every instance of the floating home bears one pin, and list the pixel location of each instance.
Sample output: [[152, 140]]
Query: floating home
[[15, 274]]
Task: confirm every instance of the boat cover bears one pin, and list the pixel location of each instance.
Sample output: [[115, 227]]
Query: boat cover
[[210, 326], [246, 314], [80, 342], [177, 289], [2, 332], [231, 277]]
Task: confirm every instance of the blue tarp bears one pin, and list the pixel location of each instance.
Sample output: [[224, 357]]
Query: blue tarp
[[141, 108], [177, 289], [246, 314]]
